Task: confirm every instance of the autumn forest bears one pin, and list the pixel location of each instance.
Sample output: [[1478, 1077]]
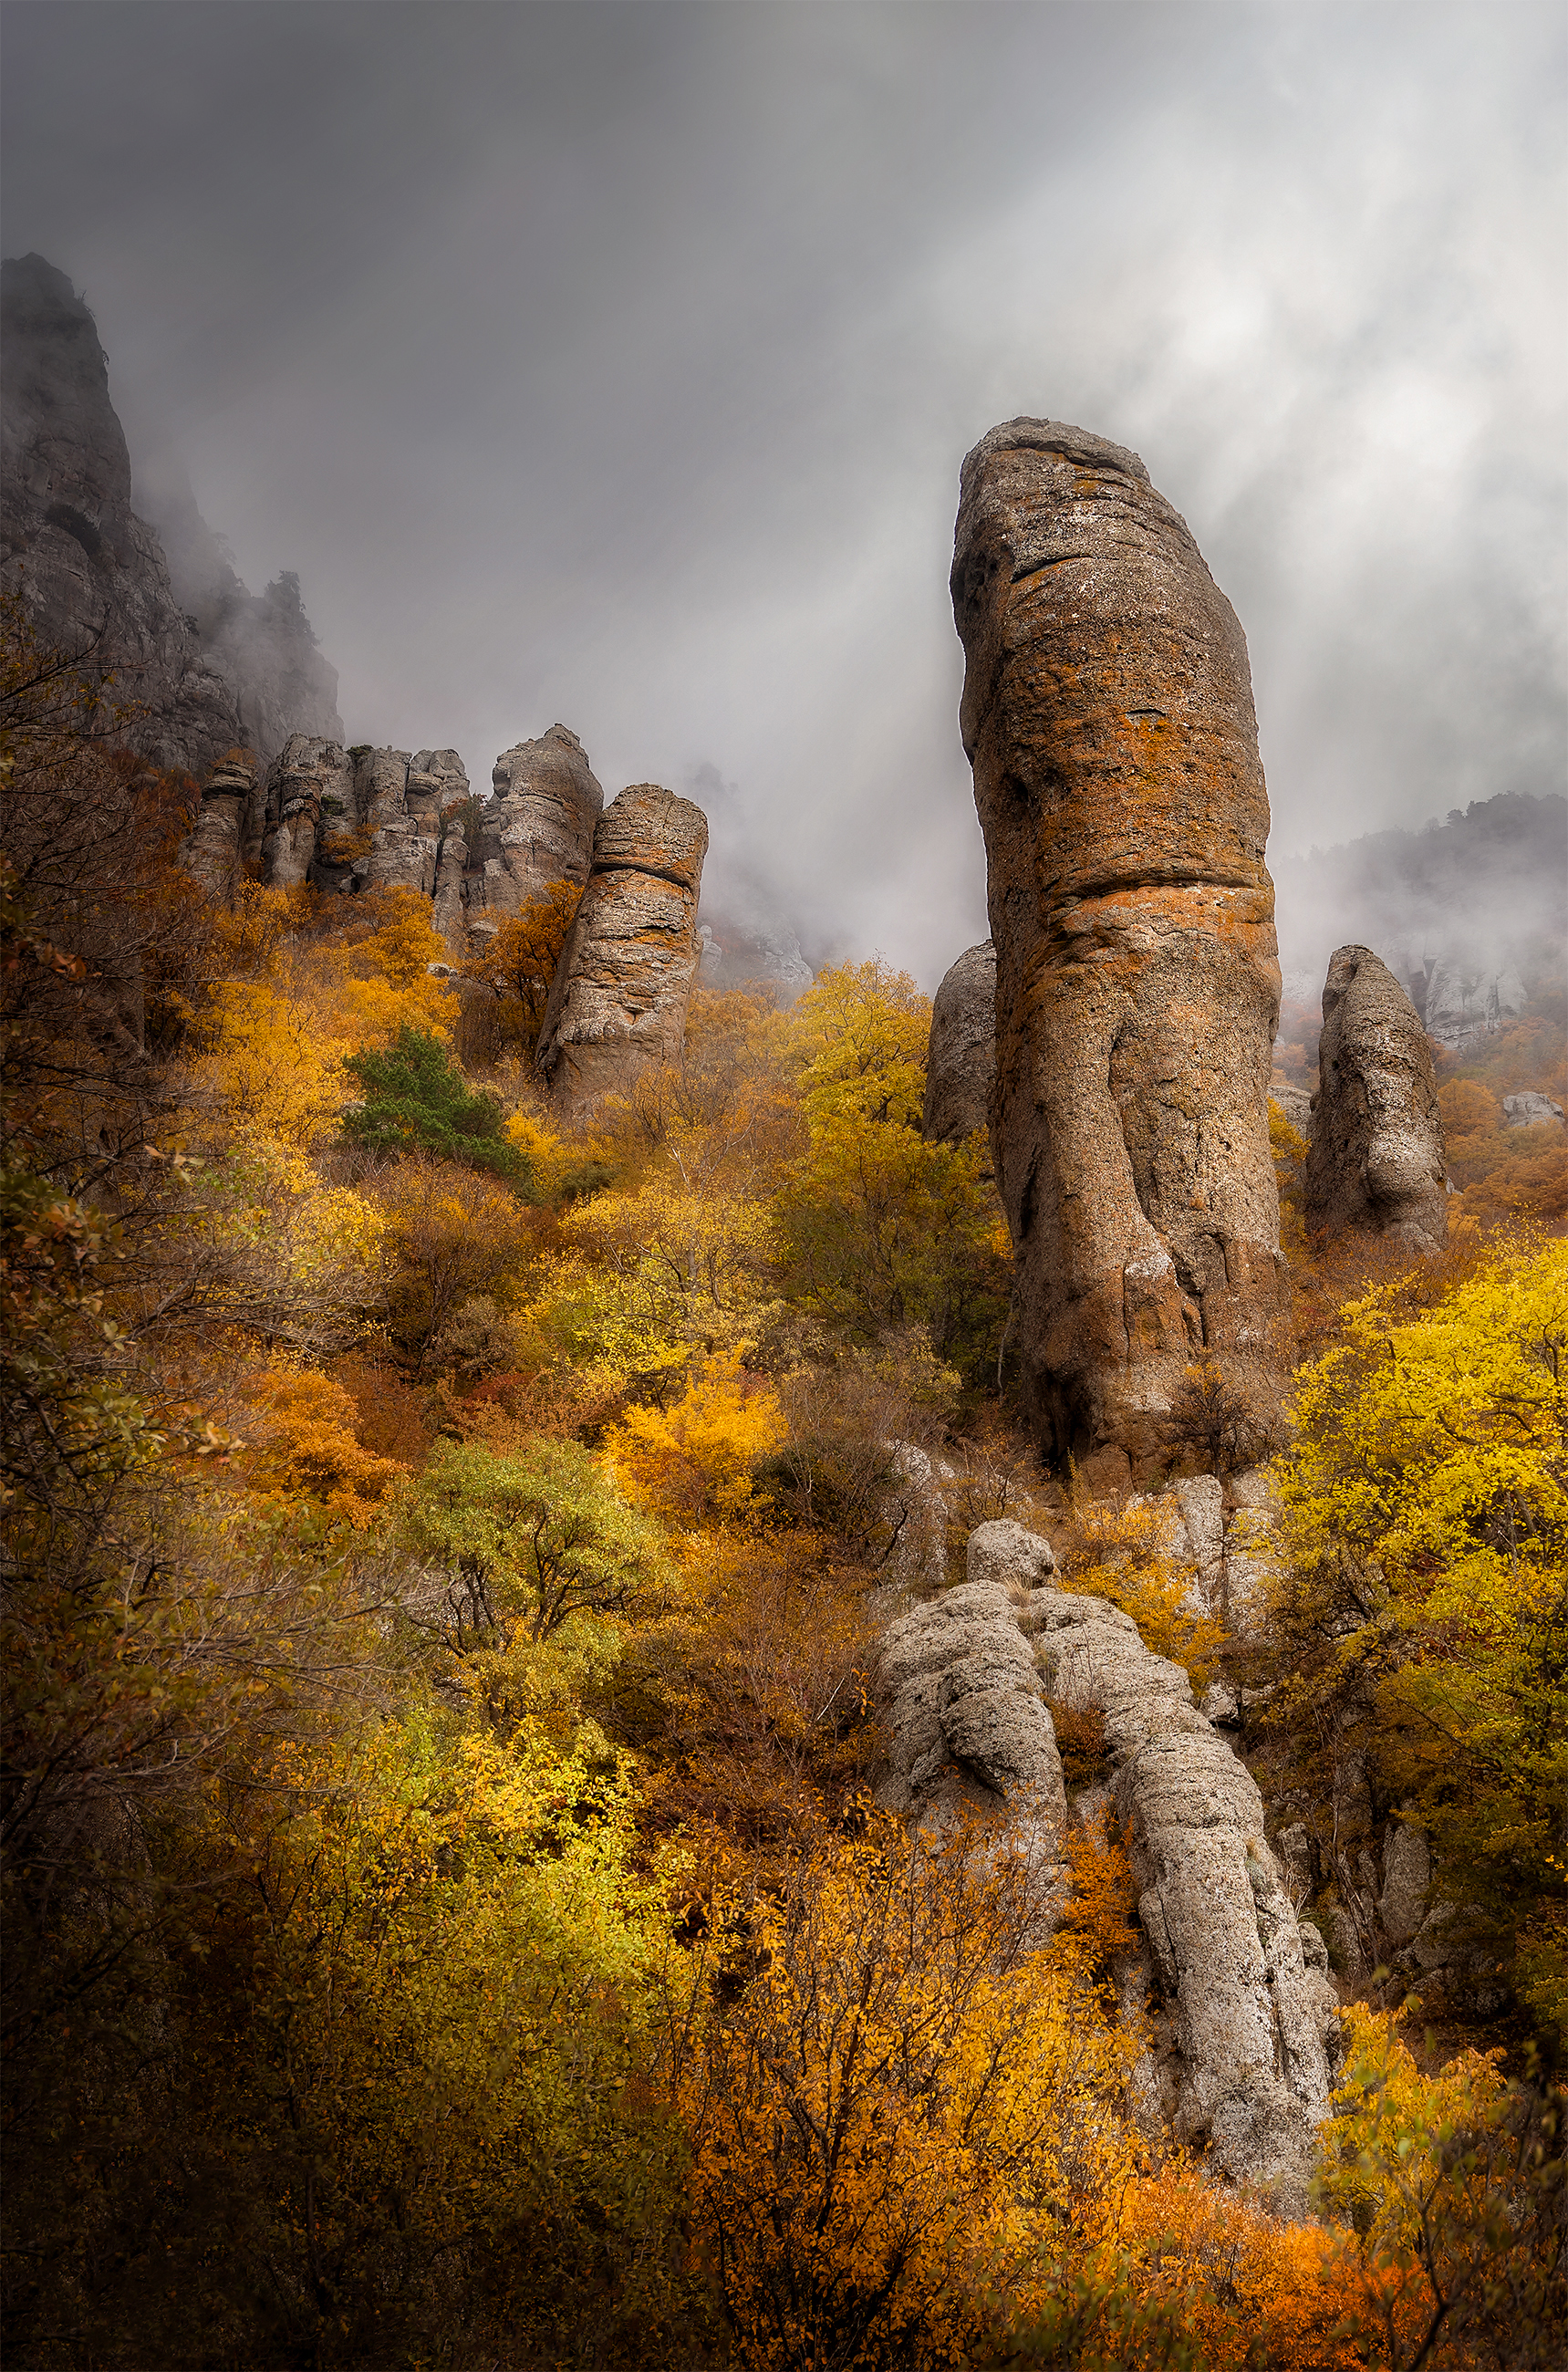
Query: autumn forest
[[449, 1919]]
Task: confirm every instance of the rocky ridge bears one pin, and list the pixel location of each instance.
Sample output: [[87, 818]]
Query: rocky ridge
[[1108, 714], [234, 672]]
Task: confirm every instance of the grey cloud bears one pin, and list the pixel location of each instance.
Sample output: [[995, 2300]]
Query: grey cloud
[[615, 364]]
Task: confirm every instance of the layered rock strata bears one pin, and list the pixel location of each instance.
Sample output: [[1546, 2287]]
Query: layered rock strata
[[538, 826], [215, 853], [618, 1001], [960, 1061], [1107, 713], [1376, 1157], [1244, 2015]]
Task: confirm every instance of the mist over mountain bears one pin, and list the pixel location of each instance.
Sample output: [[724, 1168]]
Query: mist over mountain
[[205, 663], [1469, 914]]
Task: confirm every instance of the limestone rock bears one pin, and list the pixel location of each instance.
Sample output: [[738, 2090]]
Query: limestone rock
[[1249, 2020], [746, 951], [1528, 1109], [1294, 1102], [1004, 1551], [617, 1003], [209, 666], [1407, 1882], [1107, 713], [1465, 997], [91, 574], [309, 793], [539, 824], [966, 1723], [960, 1062], [214, 852], [1375, 1159]]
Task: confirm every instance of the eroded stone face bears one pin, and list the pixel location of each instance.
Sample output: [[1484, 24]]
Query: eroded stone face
[[618, 1005], [960, 1062], [539, 822], [1376, 1157], [1108, 714]]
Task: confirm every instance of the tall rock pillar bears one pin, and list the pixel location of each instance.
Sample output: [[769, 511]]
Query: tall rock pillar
[[618, 999], [1108, 714]]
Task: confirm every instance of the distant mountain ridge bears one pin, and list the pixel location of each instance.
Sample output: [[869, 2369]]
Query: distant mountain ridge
[[1470, 914], [210, 664]]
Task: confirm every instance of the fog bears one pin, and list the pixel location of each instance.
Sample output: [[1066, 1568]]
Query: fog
[[615, 365]]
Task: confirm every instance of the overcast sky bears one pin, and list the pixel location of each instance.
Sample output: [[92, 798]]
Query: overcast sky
[[615, 365]]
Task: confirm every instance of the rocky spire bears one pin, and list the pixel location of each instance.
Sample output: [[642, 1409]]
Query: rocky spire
[[618, 1001], [1376, 1155], [1107, 713]]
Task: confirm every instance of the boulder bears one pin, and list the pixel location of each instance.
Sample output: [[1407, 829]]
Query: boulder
[[960, 1061], [1004, 1551], [1108, 714], [1375, 1159], [617, 1003], [539, 823], [1528, 1109]]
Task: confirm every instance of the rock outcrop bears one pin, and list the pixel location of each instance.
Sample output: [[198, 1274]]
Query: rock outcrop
[[1529, 1108], [960, 1061], [537, 827], [211, 667], [1246, 2016], [966, 1723], [618, 1001], [91, 575], [1107, 713], [1376, 1157]]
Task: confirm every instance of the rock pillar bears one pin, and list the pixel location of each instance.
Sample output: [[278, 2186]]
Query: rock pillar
[[1107, 713], [617, 1003], [1376, 1155]]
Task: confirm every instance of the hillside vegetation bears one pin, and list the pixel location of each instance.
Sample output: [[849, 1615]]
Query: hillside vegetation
[[449, 1921]]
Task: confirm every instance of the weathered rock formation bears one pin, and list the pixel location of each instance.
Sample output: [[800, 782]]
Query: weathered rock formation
[[1107, 713], [1246, 2016], [537, 827], [618, 1004], [1531, 1109], [1376, 1157], [214, 854], [209, 666], [966, 1723], [960, 1061], [91, 575]]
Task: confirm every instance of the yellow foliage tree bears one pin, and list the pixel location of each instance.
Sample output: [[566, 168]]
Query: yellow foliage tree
[[521, 958], [694, 1459], [898, 2101], [310, 1450]]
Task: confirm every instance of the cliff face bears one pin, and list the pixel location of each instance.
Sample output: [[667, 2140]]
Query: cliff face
[[210, 664], [91, 574], [1107, 713]]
